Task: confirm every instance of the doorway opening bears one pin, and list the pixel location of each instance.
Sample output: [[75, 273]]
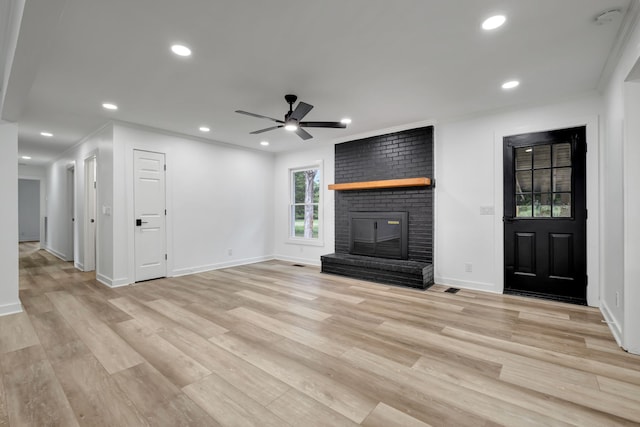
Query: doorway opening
[[29, 210], [90, 209]]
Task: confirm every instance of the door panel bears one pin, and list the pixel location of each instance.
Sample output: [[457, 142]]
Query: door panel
[[525, 262], [150, 226], [545, 214]]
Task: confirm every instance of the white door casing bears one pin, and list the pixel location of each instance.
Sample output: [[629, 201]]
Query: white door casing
[[150, 215]]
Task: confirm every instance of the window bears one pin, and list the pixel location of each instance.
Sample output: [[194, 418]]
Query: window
[[543, 181], [305, 209]]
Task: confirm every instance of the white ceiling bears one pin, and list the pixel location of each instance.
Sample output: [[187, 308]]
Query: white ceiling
[[383, 63]]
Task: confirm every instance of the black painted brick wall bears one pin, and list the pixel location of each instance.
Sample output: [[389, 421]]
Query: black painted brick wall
[[406, 154]]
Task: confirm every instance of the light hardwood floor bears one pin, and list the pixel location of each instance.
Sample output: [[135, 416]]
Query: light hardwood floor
[[273, 344]]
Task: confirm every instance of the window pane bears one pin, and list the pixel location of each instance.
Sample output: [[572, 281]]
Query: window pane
[[523, 158], [306, 186], [542, 156], [562, 179], [561, 155], [523, 206], [542, 205], [562, 205], [523, 181], [305, 221], [542, 181]]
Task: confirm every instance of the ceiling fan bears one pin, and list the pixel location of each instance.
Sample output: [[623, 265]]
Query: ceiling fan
[[292, 120]]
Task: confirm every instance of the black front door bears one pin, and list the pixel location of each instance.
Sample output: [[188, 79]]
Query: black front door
[[545, 215]]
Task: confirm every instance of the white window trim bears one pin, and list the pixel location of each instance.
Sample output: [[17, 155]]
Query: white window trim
[[319, 241]]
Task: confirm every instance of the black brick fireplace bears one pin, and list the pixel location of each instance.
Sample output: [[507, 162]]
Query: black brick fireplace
[[384, 254]]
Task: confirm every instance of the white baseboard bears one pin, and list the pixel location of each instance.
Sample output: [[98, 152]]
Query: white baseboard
[[209, 267], [8, 309], [112, 283], [315, 262], [613, 323], [79, 266], [465, 284], [56, 254]]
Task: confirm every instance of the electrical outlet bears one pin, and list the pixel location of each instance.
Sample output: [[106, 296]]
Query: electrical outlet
[[229, 252], [468, 267]]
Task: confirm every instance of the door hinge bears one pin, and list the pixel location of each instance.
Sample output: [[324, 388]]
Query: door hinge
[[94, 184], [586, 214], [165, 211], [165, 168], [165, 257]]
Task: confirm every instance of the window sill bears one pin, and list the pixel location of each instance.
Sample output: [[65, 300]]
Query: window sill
[[304, 242]]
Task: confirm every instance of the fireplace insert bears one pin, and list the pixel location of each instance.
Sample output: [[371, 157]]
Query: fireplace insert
[[379, 234]]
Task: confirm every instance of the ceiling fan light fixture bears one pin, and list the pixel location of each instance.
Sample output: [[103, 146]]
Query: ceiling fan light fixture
[[346, 121], [291, 125]]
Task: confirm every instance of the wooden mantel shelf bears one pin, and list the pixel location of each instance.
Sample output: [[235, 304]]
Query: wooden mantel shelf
[[387, 183]]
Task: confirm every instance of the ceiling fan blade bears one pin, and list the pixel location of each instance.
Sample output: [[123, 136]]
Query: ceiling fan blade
[[301, 110], [303, 134], [323, 125], [246, 113], [255, 132]]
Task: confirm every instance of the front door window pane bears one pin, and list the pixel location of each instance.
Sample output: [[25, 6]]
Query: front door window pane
[[523, 182], [523, 158], [542, 180], [542, 156], [562, 205], [523, 206], [542, 205], [561, 155], [562, 180]]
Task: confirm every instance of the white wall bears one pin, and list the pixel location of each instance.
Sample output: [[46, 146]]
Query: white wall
[[291, 250], [621, 156], [9, 302], [58, 202], [38, 173], [469, 175], [219, 198], [28, 210]]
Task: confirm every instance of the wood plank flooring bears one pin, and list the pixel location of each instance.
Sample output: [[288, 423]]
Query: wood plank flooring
[[272, 344]]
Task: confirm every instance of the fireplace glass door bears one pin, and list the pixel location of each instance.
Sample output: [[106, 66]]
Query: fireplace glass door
[[379, 234]]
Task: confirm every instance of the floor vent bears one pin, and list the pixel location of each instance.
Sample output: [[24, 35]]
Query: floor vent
[[452, 290], [298, 265]]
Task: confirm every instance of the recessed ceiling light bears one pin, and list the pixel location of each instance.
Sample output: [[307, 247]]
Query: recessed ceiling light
[[510, 84], [528, 150], [47, 134], [26, 157], [346, 121], [204, 129], [181, 50], [493, 22], [264, 143], [109, 106]]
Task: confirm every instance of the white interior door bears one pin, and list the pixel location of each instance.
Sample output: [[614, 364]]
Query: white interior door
[[150, 215], [90, 173]]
